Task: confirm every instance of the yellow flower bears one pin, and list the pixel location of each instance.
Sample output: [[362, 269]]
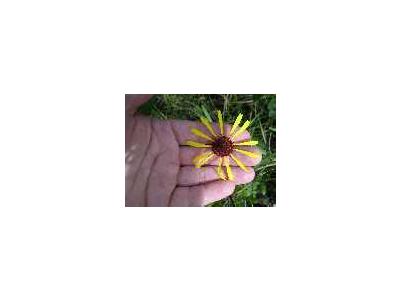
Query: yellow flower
[[223, 145]]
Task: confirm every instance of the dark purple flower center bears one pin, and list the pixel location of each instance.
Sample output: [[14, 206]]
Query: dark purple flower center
[[222, 146]]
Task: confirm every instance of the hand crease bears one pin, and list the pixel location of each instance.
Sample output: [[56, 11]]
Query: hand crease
[[141, 163], [155, 157], [174, 132], [178, 162]]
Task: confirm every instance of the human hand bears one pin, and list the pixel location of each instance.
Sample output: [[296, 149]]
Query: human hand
[[159, 169]]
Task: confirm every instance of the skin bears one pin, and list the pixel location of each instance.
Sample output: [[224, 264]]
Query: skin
[[159, 169]]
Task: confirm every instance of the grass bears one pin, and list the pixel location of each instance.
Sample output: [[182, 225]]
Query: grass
[[259, 109]]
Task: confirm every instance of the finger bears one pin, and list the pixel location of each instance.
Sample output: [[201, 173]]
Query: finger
[[189, 175], [133, 101], [186, 155], [183, 133], [203, 194]]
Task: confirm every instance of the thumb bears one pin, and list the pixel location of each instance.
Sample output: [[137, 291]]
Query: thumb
[[133, 101]]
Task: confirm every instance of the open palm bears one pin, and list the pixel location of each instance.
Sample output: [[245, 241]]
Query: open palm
[[159, 169]]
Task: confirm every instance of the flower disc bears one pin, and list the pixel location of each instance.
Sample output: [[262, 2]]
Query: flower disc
[[222, 146]]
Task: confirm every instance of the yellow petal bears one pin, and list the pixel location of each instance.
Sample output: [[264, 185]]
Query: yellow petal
[[220, 172], [241, 130], [220, 122], [208, 125], [239, 163], [206, 159], [201, 134], [250, 154], [196, 144], [200, 156], [236, 124], [202, 159], [246, 143], [228, 168]]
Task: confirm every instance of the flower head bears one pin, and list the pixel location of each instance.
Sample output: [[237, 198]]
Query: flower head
[[222, 145]]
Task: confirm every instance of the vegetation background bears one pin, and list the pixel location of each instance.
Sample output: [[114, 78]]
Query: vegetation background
[[259, 109]]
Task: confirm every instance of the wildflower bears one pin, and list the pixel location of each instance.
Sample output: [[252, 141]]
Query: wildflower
[[222, 145]]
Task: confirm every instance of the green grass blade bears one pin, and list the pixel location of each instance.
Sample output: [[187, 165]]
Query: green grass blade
[[206, 114]]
